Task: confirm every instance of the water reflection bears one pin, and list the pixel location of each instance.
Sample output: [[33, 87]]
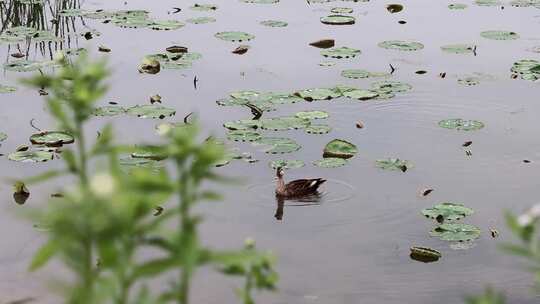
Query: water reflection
[[309, 200]]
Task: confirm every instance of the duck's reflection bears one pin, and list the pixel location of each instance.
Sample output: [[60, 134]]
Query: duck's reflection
[[309, 200]]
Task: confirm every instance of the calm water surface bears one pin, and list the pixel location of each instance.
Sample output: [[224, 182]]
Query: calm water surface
[[353, 247]]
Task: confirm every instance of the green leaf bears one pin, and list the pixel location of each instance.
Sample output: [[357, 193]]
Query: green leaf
[[44, 254], [155, 267], [339, 148]]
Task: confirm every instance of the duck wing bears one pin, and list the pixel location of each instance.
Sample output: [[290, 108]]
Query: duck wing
[[302, 186]]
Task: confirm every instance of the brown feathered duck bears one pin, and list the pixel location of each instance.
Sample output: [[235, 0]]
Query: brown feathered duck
[[297, 188]]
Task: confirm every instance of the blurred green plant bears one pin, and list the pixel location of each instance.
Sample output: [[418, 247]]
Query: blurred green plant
[[105, 228], [489, 297]]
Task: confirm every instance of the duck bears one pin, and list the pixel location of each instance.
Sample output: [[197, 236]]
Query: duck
[[297, 188]]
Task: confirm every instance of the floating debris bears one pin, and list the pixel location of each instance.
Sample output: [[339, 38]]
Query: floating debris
[[425, 254]]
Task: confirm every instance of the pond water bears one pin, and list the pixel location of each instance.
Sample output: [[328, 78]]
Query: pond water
[[352, 246]]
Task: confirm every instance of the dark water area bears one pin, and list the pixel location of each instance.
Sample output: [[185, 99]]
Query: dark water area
[[352, 246]]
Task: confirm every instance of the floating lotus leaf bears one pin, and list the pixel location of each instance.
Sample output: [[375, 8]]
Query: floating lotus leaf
[[330, 162], [27, 65], [341, 52], [521, 3], [3, 136], [338, 20], [7, 89], [72, 12], [457, 6], [460, 124], [31, 156], [318, 94], [500, 35], [261, 1], [284, 123], [166, 25], [133, 163], [243, 124], [109, 111], [151, 111], [318, 129], [225, 102], [286, 164], [274, 23], [358, 74], [342, 89], [177, 65], [149, 152], [327, 63], [44, 36], [243, 135], [52, 138], [342, 10], [201, 20], [391, 86], [340, 149], [394, 164], [165, 127], [394, 8], [98, 14], [449, 211], [312, 115], [401, 45], [204, 7], [234, 36], [424, 254], [384, 94], [132, 22], [487, 2], [361, 94], [10, 38], [469, 81], [456, 232], [527, 69], [458, 48], [277, 98], [278, 145]]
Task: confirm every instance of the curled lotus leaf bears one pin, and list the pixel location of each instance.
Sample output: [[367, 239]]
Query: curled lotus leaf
[[342, 10], [391, 86], [457, 6], [286, 164], [278, 145], [151, 111], [448, 211], [31, 156], [204, 7], [166, 25], [461, 124], [201, 20], [341, 52], [401, 45], [243, 124], [3, 136], [312, 115], [284, 123], [318, 129], [339, 148], [330, 162], [274, 23], [461, 48], [4, 89], [456, 232], [338, 20], [395, 164], [318, 94], [52, 138], [243, 135], [424, 254], [469, 81], [500, 35], [109, 111], [234, 36], [361, 94]]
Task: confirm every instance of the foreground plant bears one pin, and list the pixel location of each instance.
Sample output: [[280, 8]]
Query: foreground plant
[[103, 226]]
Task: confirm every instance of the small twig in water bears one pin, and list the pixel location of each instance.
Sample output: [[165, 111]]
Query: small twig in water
[[195, 80], [392, 69], [33, 126], [187, 117]]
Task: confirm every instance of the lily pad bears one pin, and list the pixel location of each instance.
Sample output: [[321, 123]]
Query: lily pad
[[448, 211], [361, 94], [318, 129], [243, 124], [318, 94], [401, 45], [243, 135], [458, 48], [460, 124], [457, 6], [149, 152], [261, 1], [274, 23], [109, 111], [394, 164], [341, 52], [4, 89], [340, 149], [424, 254], [278, 145], [166, 25], [456, 232], [234, 36], [312, 115], [469, 81], [204, 7], [487, 2], [330, 162], [52, 138], [201, 20], [527, 69], [500, 35], [151, 111], [342, 10], [338, 20], [286, 164], [3, 136], [284, 123], [35, 156], [391, 86], [278, 98], [26, 65], [359, 74]]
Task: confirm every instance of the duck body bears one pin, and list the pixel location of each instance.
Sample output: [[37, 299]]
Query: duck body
[[297, 188]]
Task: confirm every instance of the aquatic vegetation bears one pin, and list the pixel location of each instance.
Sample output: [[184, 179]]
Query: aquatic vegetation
[[526, 69], [391, 86], [487, 2], [3, 136], [31, 156], [234, 36], [151, 111], [395, 164], [318, 129], [456, 232], [361, 94], [338, 20], [457, 6], [448, 211], [394, 8], [424, 254], [278, 145], [324, 43], [109, 111], [243, 135], [330, 162], [166, 25], [458, 48], [286, 164], [342, 10], [312, 115], [339, 148], [500, 35], [469, 81], [318, 94], [401, 45], [284, 123], [201, 20], [52, 138], [341, 52], [274, 23], [27, 65], [5, 89], [359, 74], [204, 7], [461, 125]]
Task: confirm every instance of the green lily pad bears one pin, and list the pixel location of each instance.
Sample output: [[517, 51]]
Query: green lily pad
[[243, 124], [166, 25], [330, 162], [500, 35], [151, 111], [327, 63], [361, 94], [394, 164], [449, 211], [278, 145], [341, 52], [401, 45], [359, 74], [284, 123], [234, 36], [133, 163], [338, 20], [3, 136], [31, 156], [109, 111], [243, 135], [457, 6], [469, 81], [278, 98], [317, 94], [26, 65], [456, 232], [527, 69], [201, 20], [342, 10], [149, 152], [339, 148], [487, 2], [391, 86], [204, 7], [52, 138], [44, 36], [274, 23], [460, 124], [312, 115], [458, 48], [286, 164], [318, 129], [132, 22], [4, 89]]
